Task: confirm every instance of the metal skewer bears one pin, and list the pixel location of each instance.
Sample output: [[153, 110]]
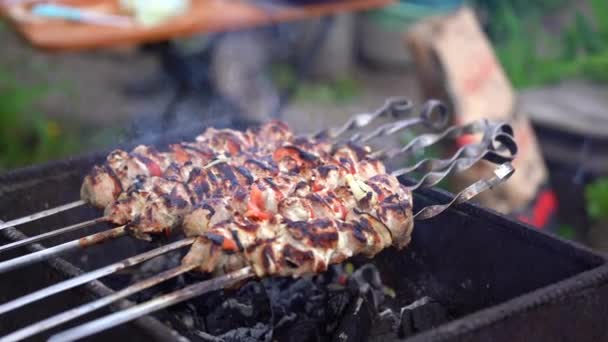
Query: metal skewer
[[38, 238], [456, 165], [459, 165], [41, 214], [153, 305], [434, 164], [45, 254], [93, 275], [501, 174], [433, 115], [395, 107], [433, 178], [423, 141], [84, 309]]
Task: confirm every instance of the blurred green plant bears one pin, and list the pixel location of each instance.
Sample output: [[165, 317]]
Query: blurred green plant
[[339, 91], [596, 195], [566, 232], [527, 11], [581, 50], [25, 135]]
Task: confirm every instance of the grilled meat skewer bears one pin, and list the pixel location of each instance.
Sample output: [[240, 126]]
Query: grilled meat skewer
[[107, 181], [158, 204], [308, 233]]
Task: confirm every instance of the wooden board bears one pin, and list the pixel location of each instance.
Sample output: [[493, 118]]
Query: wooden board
[[473, 82], [205, 16]]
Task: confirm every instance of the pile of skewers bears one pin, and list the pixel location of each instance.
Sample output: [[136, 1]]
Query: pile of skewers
[[263, 202]]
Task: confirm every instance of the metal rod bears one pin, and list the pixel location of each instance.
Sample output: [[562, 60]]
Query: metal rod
[[45, 254], [41, 214], [435, 164], [461, 164], [50, 234], [433, 115], [153, 305], [395, 107], [386, 130], [89, 276], [501, 174], [426, 140], [84, 309]]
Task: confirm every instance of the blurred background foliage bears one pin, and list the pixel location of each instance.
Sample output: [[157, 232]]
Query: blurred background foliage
[[596, 195], [26, 136], [533, 56], [339, 91]]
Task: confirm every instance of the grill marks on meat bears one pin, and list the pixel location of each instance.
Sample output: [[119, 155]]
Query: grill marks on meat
[[284, 205], [329, 213], [158, 204], [99, 189]]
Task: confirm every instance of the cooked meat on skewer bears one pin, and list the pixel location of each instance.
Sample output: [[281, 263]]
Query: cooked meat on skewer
[[263, 196], [107, 181], [255, 181], [286, 206], [308, 233]]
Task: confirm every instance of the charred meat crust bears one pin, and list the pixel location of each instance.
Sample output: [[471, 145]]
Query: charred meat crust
[[244, 199], [319, 233]]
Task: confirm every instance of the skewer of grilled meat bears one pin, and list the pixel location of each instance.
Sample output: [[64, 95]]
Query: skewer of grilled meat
[[121, 169], [263, 196], [157, 204], [365, 214], [309, 232]]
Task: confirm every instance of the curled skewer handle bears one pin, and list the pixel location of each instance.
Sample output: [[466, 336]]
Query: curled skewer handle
[[433, 115], [501, 174], [430, 164], [461, 164], [153, 305], [489, 129], [394, 107]]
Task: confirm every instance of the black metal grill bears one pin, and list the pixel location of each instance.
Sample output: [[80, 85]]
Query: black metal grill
[[498, 279]]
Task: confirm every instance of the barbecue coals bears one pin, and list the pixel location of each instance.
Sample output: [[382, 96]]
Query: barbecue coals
[[285, 205], [338, 305]]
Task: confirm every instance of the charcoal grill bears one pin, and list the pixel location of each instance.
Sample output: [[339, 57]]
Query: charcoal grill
[[498, 279]]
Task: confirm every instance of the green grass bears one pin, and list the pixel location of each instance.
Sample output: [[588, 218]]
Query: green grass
[[26, 136], [580, 51], [340, 91], [596, 195]]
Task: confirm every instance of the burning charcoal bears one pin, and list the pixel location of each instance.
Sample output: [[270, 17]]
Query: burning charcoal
[[421, 315], [248, 307], [336, 306], [306, 330], [295, 310], [357, 321], [301, 296], [257, 333], [156, 266], [367, 279]]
